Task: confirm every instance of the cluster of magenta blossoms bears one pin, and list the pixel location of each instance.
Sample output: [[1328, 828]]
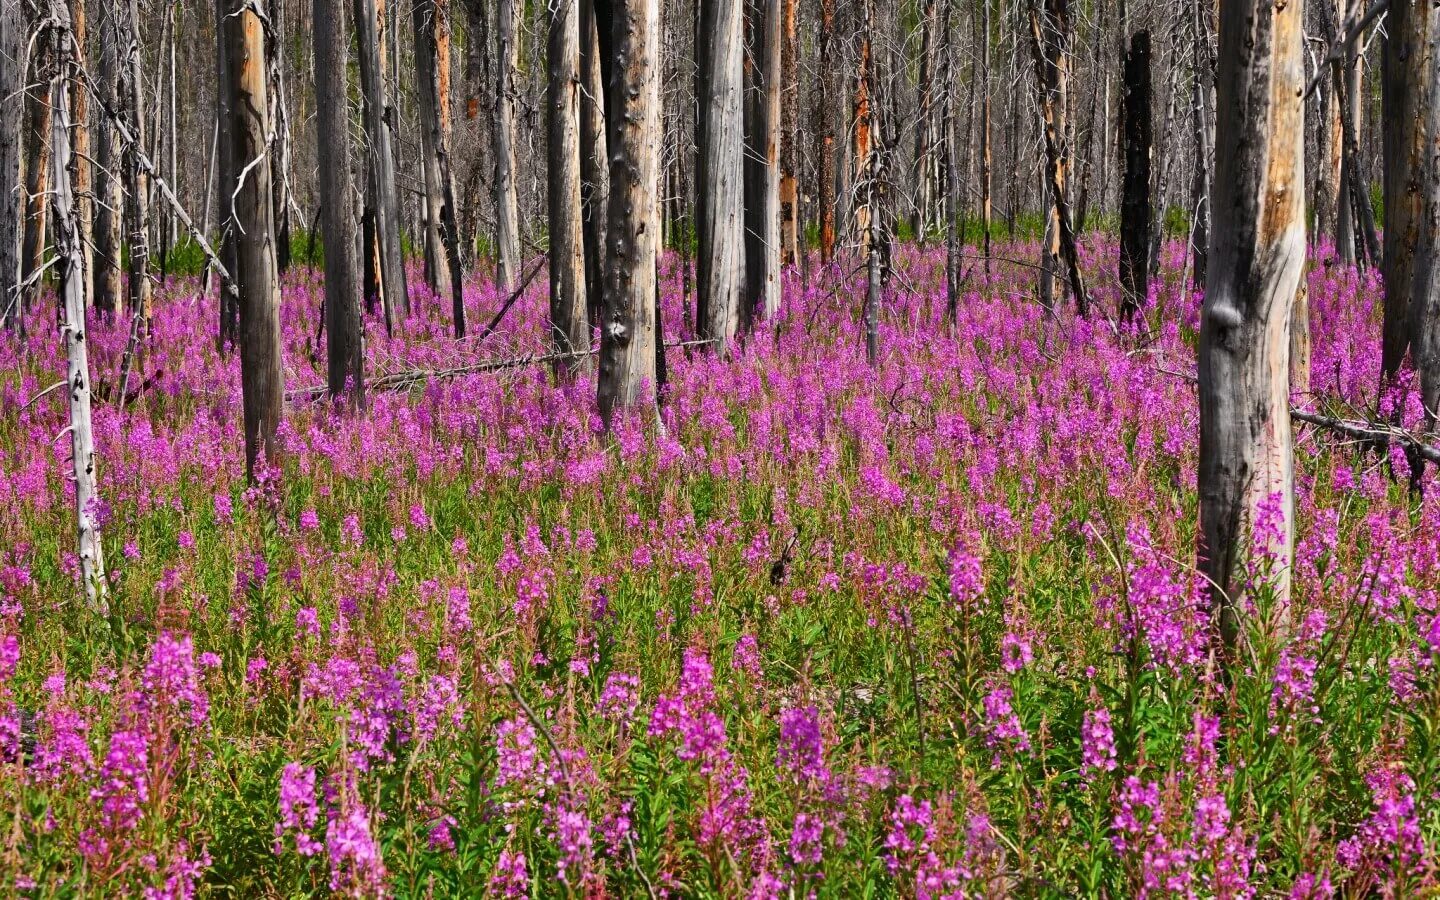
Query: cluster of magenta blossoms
[[926, 629]]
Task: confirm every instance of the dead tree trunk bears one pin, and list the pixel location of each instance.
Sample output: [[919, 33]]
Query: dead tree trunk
[[1257, 253], [922, 216], [507, 212], [1402, 94], [986, 208], [569, 324], [81, 184], [137, 199], [1425, 303], [720, 213], [37, 159], [432, 66], [1347, 74], [789, 137], [225, 170], [12, 76], [72, 293], [262, 381], [862, 157], [627, 336], [343, 339], [594, 160], [826, 90], [380, 164], [1204, 86], [108, 287], [1048, 43], [279, 144], [953, 236], [1135, 203], [762, 183]]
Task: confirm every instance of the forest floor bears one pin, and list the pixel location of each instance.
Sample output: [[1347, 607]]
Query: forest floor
[[922, 629]]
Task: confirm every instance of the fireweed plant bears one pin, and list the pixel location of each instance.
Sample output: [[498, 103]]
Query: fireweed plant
[[930, 629]]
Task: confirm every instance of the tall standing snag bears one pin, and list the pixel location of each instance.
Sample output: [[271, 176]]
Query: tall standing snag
[[383, 202], [345, 356], [719, 197], [432, 65], [1425, 303], [1256, 254], [262, 381], [11, 103], [762, 169], [1135, 198], [627, 334], [507, 210], [569, 323], [1402, 94], [72, 288]]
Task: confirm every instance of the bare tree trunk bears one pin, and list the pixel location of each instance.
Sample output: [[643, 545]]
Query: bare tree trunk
[[1425, 303], [226, 171], [432, 64], [12, 104], [1135, 203], [789, 137], [1257, 253], [1347, 77], [569, 323], [279, 145], [344, 348], [986, 152], [1402, 94], [861, 139], [81, 185], [594, 161], [262, 381], [720, 213], [108, 287], [824, 124], [1204, 87], [507, 214], [1048, 43], [380, 164], [627, 336], [37, 159], [925, 180], [952, 173], [72, 292], [138, 196], [762, 189]]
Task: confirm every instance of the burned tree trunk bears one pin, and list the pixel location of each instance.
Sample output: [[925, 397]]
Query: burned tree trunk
[[789, 137], [1204, 84], [12, 76], [719, 198], [225, 170], [925, 170], [862, 154], [37, 160], [953, 236], [762, 182], [137, 200], [986, 208], [569, 324], [262, 381], [380, 164], [1256, 257], [594, 160], [81, 185], [824, 125], [344, 350], [507, 212], [1425, 302], [432, 66], [72, 294], [1135, 200], [109, 215], [628, 332], [1048, 43], [279, 144], [1402, 94]]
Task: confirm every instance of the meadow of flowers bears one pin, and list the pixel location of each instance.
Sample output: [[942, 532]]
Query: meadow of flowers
[[930, 629]]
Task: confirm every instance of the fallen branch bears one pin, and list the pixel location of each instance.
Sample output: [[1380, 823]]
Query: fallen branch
[[1377, 434], [399, 381], [509, 302]]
